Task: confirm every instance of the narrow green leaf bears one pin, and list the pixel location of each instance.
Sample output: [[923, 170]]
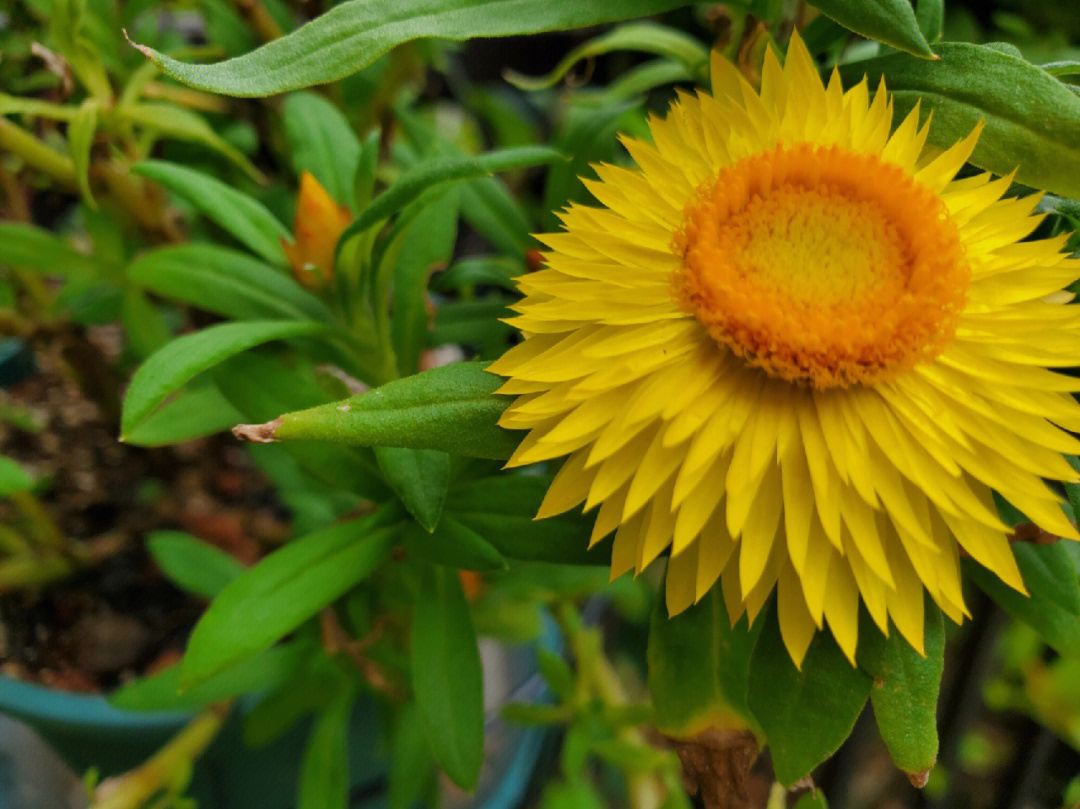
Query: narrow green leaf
[[19, 105], [191, 563], [144, 327], [489, 271], [646, 37], [698, 666], [13, 478], [1058, 627], [588, 134], [224, 281], [502, 509], [261, 386], [419, 478], [1032, 119], [812, 800], [427, 244], [453, 544], [452, 409], [447, 677], [282, 591], [322, 142], [305, 692], [905, 689], [412, 183], [241, 216], [1051, 572], [411, 767], [32, 248], [806, 715], [185, 357], [930, 14], [890, 21], [81, 132], [180, 123], [557, 673], [1068, 67], [486, 203], [324, 770], [198, 411], [354, 34], [164, 692], [367, 166]]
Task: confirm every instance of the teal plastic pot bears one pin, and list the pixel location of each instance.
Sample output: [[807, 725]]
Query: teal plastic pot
[[86, 731]]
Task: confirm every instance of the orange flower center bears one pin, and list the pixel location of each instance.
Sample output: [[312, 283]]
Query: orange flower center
[[822, 266]]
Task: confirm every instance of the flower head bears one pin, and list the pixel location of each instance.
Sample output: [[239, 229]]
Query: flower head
[[796, 352], [319, 223]]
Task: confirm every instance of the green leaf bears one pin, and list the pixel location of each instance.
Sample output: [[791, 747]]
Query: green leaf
[[191, 563], [163, 691], [812, 800], [588, 134], [237, 213], [1032, 119], [806, 715], [447, 677], [226, 282], [490, 271], [32, 248], [698, 666], [179, 123], [905, 689], [890, 21], [354, 34], [646, 37], [486, 204], [144, 327], [502, 510], [13, 478], [415, 181], [261, 386], [178, 362], [557, 673], [419, 478], [930, 14], [410, 772], [199, 411], [452, 544], [1058, 627], [81, 133], [282, 591], [324, 770], [452, 409], [425, 245], [1050, 571], [1067, 67], [322, 142]]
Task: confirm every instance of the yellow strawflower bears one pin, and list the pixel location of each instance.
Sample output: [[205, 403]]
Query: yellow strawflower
[[793, 349]]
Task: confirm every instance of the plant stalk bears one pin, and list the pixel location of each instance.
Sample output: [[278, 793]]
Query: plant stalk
[[165, 769]]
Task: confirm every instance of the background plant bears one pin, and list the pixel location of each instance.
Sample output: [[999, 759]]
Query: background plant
[[186, 219]]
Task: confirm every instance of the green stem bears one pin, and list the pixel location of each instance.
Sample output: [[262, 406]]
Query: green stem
[[18, 574], [165, 768], [40, 525], [18, 141], [12, 542], [777, 797]]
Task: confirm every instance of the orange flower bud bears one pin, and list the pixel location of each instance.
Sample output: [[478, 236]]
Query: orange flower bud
[[319, 222]]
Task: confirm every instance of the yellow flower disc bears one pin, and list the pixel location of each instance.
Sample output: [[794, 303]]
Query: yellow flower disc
[[794, 354], [822, 265]]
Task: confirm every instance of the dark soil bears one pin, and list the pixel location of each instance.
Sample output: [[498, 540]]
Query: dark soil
[[117, 616]]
